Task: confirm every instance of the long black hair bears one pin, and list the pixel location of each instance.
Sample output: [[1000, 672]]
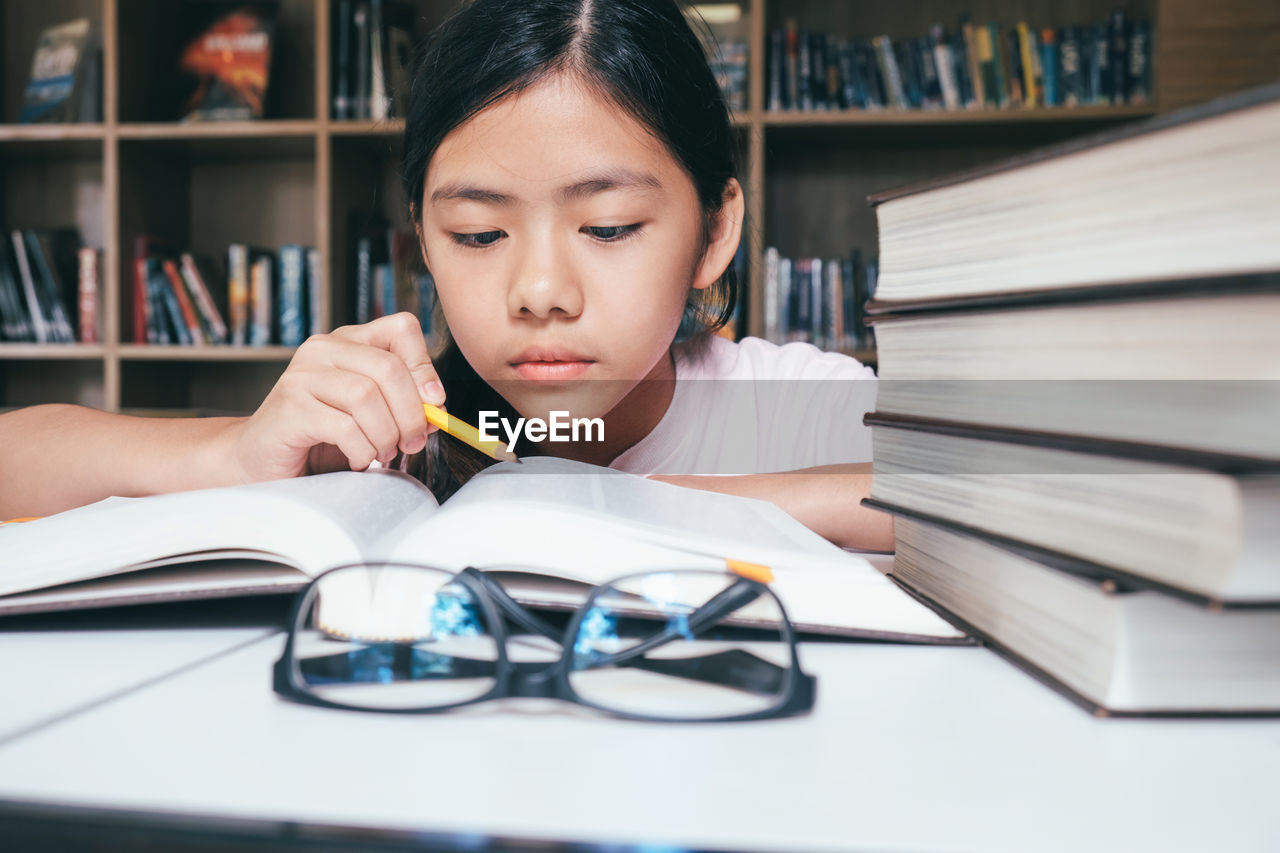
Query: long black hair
[[641, 55]]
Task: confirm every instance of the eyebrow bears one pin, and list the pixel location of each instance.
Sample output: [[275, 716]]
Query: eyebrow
[[613, 179]]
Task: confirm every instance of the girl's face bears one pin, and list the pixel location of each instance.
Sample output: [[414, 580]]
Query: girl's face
[[564, 239]]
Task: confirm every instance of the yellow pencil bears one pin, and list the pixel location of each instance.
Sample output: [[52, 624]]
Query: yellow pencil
[[467, 434]]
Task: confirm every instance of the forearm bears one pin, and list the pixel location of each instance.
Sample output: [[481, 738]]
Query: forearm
[[56, 457], [826, 499]]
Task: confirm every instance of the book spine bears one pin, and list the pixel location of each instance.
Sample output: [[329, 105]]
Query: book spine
[[384, 275], [986, 66], [1013, 52], [260, 286], [944, 62], [1049, 66], [1139, 81], [771, 294], [360, 33], [48, 291], [834, 328], [864, 58], [379, 103], [817, 299], [793, 65], [1119, 57], [930, 73], [166, 315], [17, 327], [87, 293], [973, 56], [342, 87], [1100, 65], [804, 65], [889, 72], [199, 288], [1000, 59], [777, 57], [291, 295], [38, 322], [1027, 50], [315, 290], [186, 311], [1072, 72], [238, 293], [785, 287], [364, 281]]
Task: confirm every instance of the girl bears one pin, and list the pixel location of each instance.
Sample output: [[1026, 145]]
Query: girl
[[569, 171]]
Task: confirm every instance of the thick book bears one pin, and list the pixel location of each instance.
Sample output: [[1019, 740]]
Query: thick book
[[59, 74], [1196, 531], [552, 526], [1116, 651], [1189, 364], [1187, 194]]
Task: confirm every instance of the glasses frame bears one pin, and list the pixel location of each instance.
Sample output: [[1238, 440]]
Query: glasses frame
[[544, 680]]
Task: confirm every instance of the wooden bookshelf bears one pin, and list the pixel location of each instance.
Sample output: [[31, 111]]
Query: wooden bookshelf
[[300, 176]]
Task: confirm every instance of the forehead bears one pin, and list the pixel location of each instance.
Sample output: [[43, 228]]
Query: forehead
[[539, 139]]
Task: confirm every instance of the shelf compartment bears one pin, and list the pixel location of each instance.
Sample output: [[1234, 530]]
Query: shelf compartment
[[44, 376], [152, 36], [226, 387]]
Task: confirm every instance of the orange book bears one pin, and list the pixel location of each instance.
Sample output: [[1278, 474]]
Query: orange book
[[188, 311]]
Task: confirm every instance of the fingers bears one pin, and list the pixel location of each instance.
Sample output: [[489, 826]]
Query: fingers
[[389, 390], [401, 335], [359, 418]]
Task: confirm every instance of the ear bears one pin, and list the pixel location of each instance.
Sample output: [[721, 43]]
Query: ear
[[722, 242]]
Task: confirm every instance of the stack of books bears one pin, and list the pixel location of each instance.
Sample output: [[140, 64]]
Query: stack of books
[[1078, 423], [49, 285]]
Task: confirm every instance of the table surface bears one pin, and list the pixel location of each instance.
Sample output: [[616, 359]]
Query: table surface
[[909, 748]]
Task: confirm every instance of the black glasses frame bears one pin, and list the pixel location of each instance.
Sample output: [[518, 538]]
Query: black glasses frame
[[541, 679]]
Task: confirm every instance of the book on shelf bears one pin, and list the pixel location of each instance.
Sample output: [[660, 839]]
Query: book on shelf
[[1076, 429], [1115, 649], [47, 295], [978, 65], [261, 297], [723, 30], [816, 300], [224, 67], [372, 59], [65, 83], [565, 525], [388, 272]]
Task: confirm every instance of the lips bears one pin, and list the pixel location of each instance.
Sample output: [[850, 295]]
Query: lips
[[550, 364]]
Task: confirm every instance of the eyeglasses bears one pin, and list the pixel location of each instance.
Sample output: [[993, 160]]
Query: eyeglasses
[[648, 646]]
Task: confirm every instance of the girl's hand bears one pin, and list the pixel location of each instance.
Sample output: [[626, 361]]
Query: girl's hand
[[346, 399]]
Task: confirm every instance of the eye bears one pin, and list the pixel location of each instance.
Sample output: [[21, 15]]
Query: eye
[[477, 239], [612, 233]]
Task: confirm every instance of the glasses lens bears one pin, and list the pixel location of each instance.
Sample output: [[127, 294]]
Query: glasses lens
[[658, 645], [393, 637]]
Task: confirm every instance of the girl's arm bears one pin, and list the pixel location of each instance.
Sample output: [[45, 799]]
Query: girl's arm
[[826, 499], [346, 399], [56, 457]]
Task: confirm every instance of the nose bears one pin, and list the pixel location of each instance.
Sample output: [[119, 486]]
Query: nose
[[545, 281]]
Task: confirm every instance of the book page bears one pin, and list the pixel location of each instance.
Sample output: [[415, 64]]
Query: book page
[[309, 523], [592, 525]]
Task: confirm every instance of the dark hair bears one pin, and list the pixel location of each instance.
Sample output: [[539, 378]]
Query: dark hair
[[640, 54]]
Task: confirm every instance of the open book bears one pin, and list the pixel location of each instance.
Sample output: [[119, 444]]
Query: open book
[[553, 527]]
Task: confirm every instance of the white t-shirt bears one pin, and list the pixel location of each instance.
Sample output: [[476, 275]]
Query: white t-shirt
[[754, 407]]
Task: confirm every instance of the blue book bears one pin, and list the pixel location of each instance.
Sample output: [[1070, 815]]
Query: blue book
[[292, 272]]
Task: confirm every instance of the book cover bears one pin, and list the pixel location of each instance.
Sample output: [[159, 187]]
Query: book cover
[[225, 67], [57, 69]]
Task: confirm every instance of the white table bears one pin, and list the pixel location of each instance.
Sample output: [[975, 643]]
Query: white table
[[909, 748]]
